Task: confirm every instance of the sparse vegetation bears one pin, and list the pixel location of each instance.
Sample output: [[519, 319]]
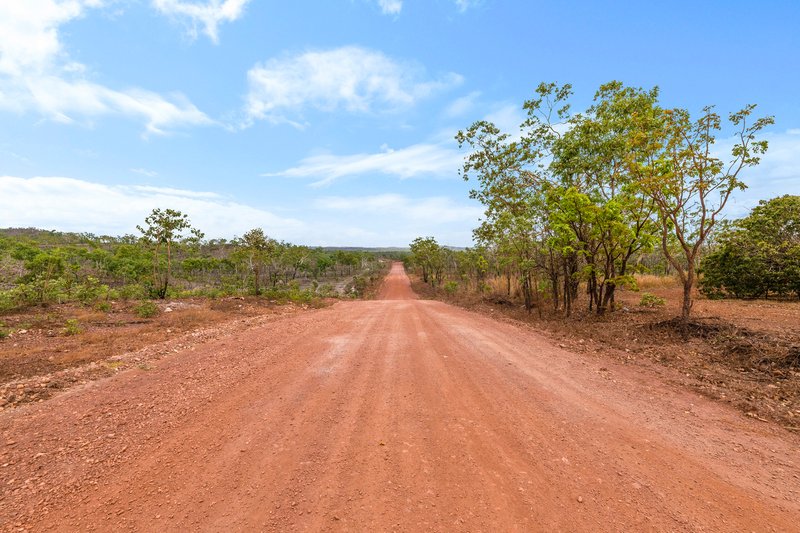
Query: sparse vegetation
[[146, 310], [72, 327], [651, 300], [41, 268]]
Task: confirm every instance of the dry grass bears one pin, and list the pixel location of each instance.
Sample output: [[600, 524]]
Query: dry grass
[[652, 281], [44, 347], [499, 285]]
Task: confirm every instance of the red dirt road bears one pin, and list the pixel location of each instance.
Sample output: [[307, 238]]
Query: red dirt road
[[395, 414]]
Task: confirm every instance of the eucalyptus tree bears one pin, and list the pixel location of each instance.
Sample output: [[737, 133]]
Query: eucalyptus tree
[[163, 229], [512, 174], [428, 255], [597, 205], [691, 185], [256, 247]]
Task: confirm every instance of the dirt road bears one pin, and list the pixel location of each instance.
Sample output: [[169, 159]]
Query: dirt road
[[394, 414]]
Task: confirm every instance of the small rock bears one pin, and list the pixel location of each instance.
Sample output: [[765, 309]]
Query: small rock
[[580, 499]]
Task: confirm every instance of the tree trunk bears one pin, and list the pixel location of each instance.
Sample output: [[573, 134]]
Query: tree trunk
[[568, 294], [608, 299], [686, 308]]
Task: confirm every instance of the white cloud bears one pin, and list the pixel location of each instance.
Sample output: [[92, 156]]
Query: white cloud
[[36, 73], [390, 7], [208, 15], [145, 172], [439, 208], [508, 118], [412, 161], [463, 105], [776, 175], [464, 5], [351, 78], [75, 205]]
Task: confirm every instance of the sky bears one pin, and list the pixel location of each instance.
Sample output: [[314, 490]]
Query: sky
[[332, 122]]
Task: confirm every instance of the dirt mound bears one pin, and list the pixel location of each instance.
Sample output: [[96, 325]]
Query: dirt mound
[[742, 347]]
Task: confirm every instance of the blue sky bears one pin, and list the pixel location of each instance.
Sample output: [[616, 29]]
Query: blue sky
[[332, 122]]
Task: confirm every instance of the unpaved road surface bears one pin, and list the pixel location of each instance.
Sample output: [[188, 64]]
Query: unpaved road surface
[[395, 414]]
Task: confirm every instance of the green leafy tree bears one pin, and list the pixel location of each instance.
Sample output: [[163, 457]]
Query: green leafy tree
[[691, 186], [257, 247], [758, 255], [512, 174], [428, 255], [598, 206], [163, 229]]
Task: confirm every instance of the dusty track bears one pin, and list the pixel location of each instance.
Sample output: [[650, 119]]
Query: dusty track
[[396, 414]]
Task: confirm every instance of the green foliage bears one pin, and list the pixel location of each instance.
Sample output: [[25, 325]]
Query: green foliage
[[579, 197], [90, 291], [146, 309], [451, 287], [163, 228], [652, 301], [39, 268], [103, 307], [758, 255], [72, 327], [429, 257]]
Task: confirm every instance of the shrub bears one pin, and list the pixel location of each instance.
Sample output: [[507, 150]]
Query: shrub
[[129, 292], [72, 327], [4, 333], [103, 307], [91, 291], [451, 287], [652, 301], [327, 290], [146, 309], [758, 255]]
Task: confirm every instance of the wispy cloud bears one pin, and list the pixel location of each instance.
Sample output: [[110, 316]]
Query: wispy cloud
[[206, 16], [777, 174], [439, 208], [145, 172], [439, 160], [393, 7], [351, 78], [463, 105], [69, 204], [464, 5], [390, 7], [36, 73]]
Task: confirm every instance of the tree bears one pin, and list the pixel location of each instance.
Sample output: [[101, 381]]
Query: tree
[[597, 204], [758, 255], [691, 186], [256, 245], [427, 254], [512, 175], [164, 228]]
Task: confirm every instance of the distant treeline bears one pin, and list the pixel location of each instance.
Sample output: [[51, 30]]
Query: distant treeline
[[170, 258]]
